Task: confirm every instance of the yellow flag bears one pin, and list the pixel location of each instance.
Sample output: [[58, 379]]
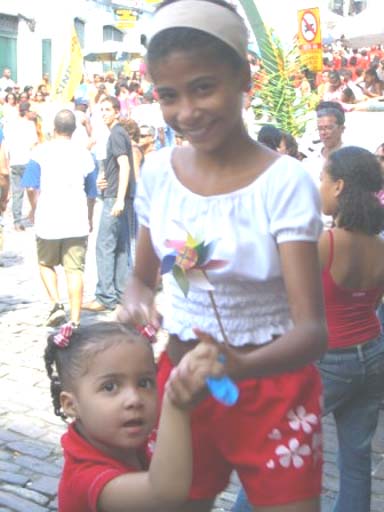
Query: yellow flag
[[70, 71]]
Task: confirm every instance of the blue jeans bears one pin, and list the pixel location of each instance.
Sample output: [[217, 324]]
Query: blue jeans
[[353, 382], [354, 388], [380, 315], [17, 172], [112, 255]]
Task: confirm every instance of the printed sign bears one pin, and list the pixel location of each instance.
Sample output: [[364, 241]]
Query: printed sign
[[309, 38]]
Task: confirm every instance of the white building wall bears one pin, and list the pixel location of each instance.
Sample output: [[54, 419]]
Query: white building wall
[[53, 19], [28, 56]]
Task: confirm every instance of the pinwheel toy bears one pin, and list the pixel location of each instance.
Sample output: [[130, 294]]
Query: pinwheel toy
[[188, 263]]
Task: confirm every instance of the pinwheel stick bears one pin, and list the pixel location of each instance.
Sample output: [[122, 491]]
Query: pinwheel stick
[[217, 315]]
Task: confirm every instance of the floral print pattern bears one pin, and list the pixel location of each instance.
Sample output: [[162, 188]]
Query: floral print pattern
[[305, 445], [299, 419], [293, 453]]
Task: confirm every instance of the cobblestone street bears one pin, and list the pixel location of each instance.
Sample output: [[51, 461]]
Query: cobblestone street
[[30, 455]]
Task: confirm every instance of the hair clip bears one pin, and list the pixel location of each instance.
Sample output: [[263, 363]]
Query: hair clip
[[63, 337], [148, 331]]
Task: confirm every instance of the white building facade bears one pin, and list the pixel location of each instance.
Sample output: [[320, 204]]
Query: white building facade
[[34, 34]]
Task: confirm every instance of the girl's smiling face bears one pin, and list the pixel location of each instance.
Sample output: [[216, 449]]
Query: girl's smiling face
[[201, 98]]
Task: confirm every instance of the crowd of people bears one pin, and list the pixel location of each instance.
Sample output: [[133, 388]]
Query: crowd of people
[[117, 121], [349, 75], [288, 255]]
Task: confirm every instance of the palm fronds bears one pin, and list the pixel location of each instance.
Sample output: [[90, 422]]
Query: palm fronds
[[276, 89]]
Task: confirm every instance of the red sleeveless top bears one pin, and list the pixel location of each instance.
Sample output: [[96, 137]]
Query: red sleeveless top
[[351, 314]]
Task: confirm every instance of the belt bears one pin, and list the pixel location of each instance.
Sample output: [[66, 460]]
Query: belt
[[358, 348]]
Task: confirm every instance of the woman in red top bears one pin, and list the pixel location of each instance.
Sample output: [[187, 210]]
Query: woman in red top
[[352, 258]]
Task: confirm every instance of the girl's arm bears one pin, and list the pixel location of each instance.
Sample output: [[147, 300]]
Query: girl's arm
[[307, 341], [138, 305], [324, 249], [124, 169], [168, 480]]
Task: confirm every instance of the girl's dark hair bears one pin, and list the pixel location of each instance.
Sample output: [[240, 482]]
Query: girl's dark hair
[[291, 144], [100, 93], [359, 208], [133, 86], [65, 365], [187, 39], [6, 99], [373, 73], [132, 128], [270, 136], [120, 84], [348, 95]]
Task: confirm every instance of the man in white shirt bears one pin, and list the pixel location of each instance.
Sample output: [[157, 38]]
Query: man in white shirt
[[63, 172], [330, 125], [21, 136], [6, 82]]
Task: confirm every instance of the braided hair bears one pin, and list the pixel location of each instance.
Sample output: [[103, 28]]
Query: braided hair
[[64, 365]]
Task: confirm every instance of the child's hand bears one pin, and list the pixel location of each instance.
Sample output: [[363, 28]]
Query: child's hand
[[186, 383]]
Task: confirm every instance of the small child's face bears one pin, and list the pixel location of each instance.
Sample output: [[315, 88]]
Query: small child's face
[[201, 97], [115, 402]]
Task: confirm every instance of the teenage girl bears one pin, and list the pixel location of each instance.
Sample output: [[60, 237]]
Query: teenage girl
[[104, 377], [352, 258], [264, 213]]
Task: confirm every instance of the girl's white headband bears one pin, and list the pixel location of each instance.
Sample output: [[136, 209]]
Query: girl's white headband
[[203, 15]]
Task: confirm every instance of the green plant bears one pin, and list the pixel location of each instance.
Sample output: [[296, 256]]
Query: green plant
[[276, 82]]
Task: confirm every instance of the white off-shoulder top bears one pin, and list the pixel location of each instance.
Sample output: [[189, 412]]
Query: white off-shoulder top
[[281, 205]]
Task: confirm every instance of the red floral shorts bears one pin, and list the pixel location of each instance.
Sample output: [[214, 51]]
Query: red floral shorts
[[271, 437]]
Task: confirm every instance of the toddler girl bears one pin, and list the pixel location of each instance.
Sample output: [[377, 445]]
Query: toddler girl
[[104, 377]]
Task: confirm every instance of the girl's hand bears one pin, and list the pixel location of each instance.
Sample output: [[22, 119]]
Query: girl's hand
[[234, 360], [138, 306], [186, 384]]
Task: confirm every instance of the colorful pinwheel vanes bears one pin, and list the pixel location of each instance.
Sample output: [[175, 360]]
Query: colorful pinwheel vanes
[[189, 262]]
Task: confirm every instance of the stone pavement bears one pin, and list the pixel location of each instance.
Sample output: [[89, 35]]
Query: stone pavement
[[30, 456]]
